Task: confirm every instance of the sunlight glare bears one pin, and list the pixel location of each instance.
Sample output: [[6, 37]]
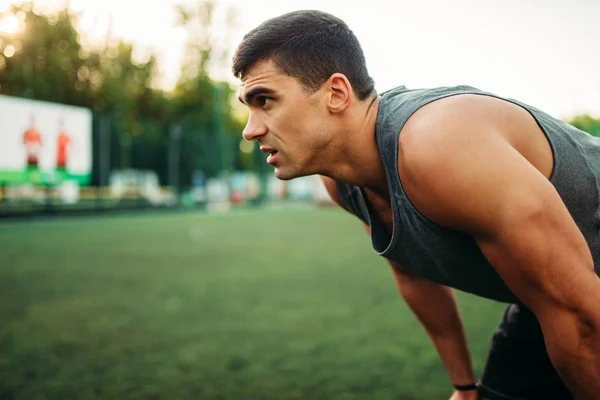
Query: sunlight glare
[[10, 24]]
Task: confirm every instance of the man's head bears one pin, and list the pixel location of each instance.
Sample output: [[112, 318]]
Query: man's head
[[307, 45], [297, 70]]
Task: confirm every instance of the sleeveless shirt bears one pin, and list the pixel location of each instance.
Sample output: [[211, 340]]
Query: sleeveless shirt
[[424, 248]]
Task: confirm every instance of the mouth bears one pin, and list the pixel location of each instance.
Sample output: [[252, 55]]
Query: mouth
[[272, 153]]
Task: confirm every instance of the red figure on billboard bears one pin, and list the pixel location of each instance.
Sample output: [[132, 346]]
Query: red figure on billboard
[[63, 142], [32, 140], [33, 144]]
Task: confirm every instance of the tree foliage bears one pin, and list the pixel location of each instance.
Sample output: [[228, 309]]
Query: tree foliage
[[586, 123]]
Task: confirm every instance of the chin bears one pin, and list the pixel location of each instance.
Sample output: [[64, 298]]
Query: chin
[[285, 174]]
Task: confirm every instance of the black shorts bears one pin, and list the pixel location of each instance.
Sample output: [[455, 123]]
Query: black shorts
[[518, 366]]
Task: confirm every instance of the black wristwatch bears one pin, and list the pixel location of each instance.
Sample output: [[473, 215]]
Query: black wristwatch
[[466, 388]]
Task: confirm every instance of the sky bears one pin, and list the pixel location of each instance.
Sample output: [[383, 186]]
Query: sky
[[542, 52]]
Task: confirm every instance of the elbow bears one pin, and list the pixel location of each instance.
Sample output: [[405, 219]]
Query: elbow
[[572, 331], [587, 331], [584, 313]]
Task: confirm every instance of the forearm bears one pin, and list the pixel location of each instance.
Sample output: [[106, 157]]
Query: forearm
[[454, 353], [436, 308]]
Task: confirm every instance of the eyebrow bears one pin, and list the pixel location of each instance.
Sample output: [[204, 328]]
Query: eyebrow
[[250, 95]]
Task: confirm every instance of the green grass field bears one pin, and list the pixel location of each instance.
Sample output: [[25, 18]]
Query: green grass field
[[279, 304]]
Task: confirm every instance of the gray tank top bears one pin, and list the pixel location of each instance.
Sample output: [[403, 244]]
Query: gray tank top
[[451, 258]]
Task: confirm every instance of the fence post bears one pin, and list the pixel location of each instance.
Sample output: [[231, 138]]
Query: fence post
[[174, 159], [104, 154]]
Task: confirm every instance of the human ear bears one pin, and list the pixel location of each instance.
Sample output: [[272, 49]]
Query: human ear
[[340, 93]]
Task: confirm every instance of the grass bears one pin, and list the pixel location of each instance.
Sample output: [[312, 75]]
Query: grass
[[264, 304]]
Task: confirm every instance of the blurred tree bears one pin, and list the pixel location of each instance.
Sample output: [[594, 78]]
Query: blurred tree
[[46, 61], [41, 60], [126, 94], [586, 123], [201, 103]]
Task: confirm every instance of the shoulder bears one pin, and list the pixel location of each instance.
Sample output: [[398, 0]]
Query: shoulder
[[441, 127], [455, 124], [444, 150]]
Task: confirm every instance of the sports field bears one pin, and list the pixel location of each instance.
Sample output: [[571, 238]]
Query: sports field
[[264, 304]]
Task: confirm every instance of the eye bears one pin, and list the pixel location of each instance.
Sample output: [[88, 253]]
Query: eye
[[263, 100]]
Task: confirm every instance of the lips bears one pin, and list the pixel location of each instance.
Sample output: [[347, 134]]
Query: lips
[[272, 153], [268, 149]]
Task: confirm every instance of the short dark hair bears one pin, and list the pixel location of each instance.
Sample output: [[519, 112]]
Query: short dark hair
[[308, 45]]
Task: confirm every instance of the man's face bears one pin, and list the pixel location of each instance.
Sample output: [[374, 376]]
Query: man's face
[[288, 122]]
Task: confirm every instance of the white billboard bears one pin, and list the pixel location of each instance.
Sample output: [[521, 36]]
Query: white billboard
[[43, 142]]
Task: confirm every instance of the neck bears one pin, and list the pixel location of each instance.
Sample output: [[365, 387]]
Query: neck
[[354, 158]]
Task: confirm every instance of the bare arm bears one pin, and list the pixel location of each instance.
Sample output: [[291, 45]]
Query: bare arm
[[436, 309], [468, 177]]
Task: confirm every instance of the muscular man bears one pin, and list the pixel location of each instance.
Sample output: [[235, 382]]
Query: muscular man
[[458, 188]]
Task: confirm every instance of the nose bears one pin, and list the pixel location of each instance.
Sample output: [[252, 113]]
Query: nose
[[254, 128]]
